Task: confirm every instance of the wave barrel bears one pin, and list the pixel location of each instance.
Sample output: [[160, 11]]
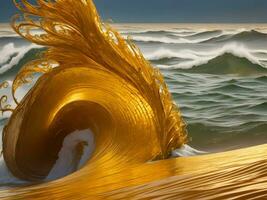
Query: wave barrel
[[92, 79]]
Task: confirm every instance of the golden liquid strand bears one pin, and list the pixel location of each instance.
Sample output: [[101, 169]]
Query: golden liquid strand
[[103, 83], [3, 100]]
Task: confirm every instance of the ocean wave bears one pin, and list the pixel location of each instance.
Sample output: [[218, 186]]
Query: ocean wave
[[244, 36], [167, 54], [232, 57], [207, 36], [147, 32], [233, 88], [7, 52], [233, 48], [225, 64], [188, 32], [262, 78], [184, 32], [12, 55], [213, 140], [212, 33], [260, 107]]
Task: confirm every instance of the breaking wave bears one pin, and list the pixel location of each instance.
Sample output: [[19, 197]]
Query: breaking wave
[[16, 56], [228, 64], [230, 58], [244, 36]]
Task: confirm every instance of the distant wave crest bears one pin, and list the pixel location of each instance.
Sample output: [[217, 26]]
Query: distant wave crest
[[214, 36], [232, 56]]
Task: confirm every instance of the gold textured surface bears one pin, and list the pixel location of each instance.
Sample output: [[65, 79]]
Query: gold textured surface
[[102, 82]]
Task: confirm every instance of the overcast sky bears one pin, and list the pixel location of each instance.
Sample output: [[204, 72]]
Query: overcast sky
[[197, 11]]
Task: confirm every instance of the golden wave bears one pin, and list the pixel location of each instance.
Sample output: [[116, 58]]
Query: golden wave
[[94, 79]]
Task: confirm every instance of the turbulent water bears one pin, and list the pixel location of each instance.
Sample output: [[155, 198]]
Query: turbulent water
[[217, 75]]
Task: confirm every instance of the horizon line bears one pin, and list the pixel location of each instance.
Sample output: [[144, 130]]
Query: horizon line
[[105, 21]]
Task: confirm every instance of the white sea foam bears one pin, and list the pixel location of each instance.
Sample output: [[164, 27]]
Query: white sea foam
[[6, 178], [167, 40], [186, 151], [6, 52], [167, 53], [64, 165], [205, 34]]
